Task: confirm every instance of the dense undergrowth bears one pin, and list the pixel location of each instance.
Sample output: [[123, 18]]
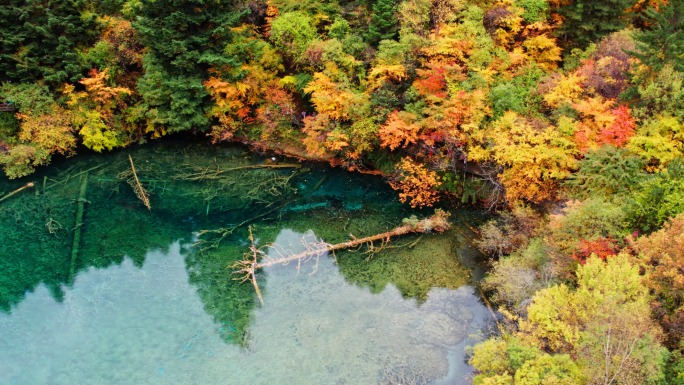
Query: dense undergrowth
[[567, 112]]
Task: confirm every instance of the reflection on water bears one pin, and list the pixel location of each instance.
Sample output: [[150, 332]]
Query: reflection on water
[[147, 325], [144, 309]]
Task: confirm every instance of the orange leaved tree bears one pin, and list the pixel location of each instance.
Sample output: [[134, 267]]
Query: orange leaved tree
[[417, 183]]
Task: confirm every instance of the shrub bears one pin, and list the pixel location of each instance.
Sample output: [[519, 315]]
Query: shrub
[[606, 172], [659, 199]]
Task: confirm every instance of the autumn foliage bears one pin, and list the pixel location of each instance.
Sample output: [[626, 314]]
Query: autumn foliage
[[397, 132], [415, 183]]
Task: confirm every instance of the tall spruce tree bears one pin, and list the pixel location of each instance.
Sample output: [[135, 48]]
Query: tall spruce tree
[[663, 42], [40, 39], [184, 39], [587, 21], [383, 24]]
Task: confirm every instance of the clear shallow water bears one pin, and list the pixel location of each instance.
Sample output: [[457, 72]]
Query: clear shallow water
[[169, 314]]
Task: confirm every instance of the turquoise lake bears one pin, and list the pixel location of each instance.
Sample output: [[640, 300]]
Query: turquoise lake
[[148, 296]]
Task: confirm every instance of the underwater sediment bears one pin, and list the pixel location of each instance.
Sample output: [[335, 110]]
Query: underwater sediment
[[134, 284]]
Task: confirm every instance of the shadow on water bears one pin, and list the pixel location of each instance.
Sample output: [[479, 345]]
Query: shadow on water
[[191, 188]]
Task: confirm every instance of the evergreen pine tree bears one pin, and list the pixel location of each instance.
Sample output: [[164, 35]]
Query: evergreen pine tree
[[383, 24], [664, 41], [184, 38], [587, 21], [40, 39]]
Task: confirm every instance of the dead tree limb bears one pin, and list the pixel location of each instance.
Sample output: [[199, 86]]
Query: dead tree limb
[[258, 258], [29, 184], [207, 175], [223, 233], [252, 275], [64, 182], [142, 194]]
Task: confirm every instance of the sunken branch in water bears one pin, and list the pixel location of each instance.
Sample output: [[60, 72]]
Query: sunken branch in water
[[257, 258]]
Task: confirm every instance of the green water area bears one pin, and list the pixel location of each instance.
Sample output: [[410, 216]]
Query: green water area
[[97, 288]]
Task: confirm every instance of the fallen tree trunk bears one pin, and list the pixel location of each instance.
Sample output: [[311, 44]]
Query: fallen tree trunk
[[142, 194], [314, 250]]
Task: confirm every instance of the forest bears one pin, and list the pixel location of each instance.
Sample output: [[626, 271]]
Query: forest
[[563, 117]]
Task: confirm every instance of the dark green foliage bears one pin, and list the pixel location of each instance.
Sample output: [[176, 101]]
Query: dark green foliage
[[567, 111], [329, 8], [385, 100], [339, 29], [108, 7], [587, 21], [102, 55], [28, 97], [9, 125], [663, 42], [291, 33], [658, 199], [302, 80], [505, 97], [463, 185], [184, 39], [176, 102], [384, 23], [355, 46], [605, 172], [517, 95], [40, 39], [535, 10], [675, 368], [658, 95], [519, 353], [383, 161]]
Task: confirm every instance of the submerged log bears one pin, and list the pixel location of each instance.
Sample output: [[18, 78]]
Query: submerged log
[[30, 184], [142, 194], [64, 182], [77, 229], [206, 174], [224, 232], [314, 250]]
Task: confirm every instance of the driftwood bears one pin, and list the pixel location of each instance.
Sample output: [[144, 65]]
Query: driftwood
[[314, 250], [29, 184]]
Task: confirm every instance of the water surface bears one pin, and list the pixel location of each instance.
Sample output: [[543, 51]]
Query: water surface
[[145, 306]]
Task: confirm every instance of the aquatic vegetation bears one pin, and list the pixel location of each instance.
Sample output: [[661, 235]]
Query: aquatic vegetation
[[212, 186], [46, 214]]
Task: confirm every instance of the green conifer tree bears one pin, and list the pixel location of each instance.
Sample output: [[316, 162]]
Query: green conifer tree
[[184, 38], [664, 42], [40, 38], [383, 24], [587, 21]]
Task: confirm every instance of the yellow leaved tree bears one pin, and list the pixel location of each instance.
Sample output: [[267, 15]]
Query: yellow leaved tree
[[96, 112], [567, 90], [534, 158]]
